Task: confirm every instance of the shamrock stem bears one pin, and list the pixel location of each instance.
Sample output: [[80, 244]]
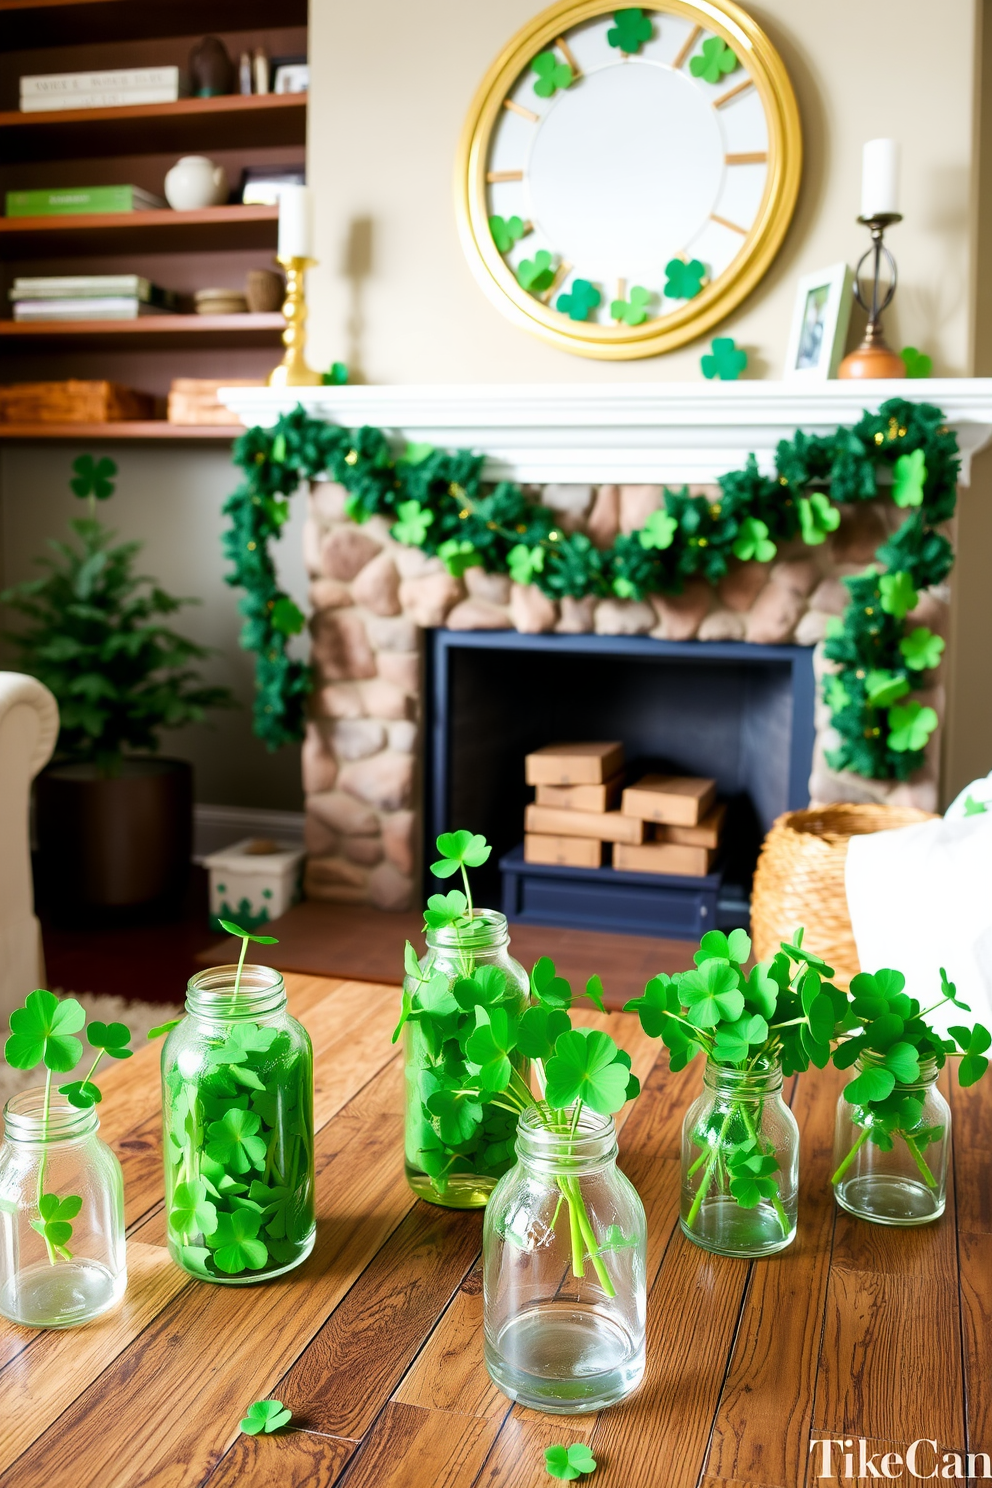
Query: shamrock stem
[[241, 963], [92, 1068], [920, 1161], [468, 892], [851, 1155], [707, 1177], [42, 1166]]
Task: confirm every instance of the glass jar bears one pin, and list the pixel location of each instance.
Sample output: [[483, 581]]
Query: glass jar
[[61, 1215], [890, 1156], [460, 1174], [740, 1163], [237, 1101], [564, 1254]]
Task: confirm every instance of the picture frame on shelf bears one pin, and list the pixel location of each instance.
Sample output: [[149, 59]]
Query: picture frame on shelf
[[290, 75], [820, 319]]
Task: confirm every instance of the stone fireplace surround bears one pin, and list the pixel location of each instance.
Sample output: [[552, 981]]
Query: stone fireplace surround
[[599, 456]]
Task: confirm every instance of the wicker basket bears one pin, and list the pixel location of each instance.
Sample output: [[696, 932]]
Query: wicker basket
[[799, 879]]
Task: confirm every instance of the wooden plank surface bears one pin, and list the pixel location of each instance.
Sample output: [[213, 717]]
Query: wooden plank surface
[[855, 1332]]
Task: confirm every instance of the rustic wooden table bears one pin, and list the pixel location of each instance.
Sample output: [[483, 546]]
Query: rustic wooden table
[[375, 1343]]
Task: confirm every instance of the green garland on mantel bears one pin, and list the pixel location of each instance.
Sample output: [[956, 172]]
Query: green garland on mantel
[[434, 500]]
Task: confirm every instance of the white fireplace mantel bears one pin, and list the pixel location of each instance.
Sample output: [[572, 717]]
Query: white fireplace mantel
[[662, 432]]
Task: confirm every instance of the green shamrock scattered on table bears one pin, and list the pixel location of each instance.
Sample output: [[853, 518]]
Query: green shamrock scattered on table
[[552, 75], [683, 280], [536, 274], [265, 1416], [917, 363], [569, 1462], [631, 29], [724, 360], [714, 62], [632, 311], [909, 476], [580, 301], [506, 231]]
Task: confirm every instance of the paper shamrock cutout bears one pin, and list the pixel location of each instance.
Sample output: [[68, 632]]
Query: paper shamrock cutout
[[582, 298], [506, 231], [551, 74], [632, 311], [753, 542], [524, 563], [921, 649], [536, 274], [714, 61], [917, 363], [632, 29], [817, 517], [973, 807], [899, 594], [725, 360], [910, 472], [458, 554], [413, 523], [93, 477], [885, 688], [265, 1415], [335, 376], [569, 1462], [683, 281], [910, 726], [658, 531]]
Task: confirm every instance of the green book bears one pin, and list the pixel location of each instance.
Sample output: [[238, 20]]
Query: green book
[[60, 201]]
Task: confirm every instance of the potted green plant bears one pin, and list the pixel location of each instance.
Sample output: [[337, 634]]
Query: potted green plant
[[114, 818]]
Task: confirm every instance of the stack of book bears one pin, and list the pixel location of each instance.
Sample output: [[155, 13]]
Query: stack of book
[[574, 815], [93, 90], [683, 819], [194, 400], [90, 297], [64, 201]]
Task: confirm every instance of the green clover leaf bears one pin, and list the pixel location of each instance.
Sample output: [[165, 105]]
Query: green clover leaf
[[233, 1141], [683, 280], [948, 990], [551, 74], [548, 987], [445, 909], [714, 62], [161, 1028], [632, 311], [715, 946], [265, 1415], [335, 376], [456, 1113], [40, 1033], [761, 991], [885, 688], [506, 231], [192, 1212], [973, 1042], [54, 1222], [817, 517], [725, 360], [457, 555], [233, 929], [660, 999], [973, 807], [81, 1093], [631, 29], [899, 594], [917, 363], [286, 616], [570, 1462], [524, 562], [584, 1067], [658, 531], [753, 542], [414, 520], [112, 1038], [910, 474], [921, 649], [711, 994], [490, 1046], [903, 1060], [458, 849], [872, 1084], [485, 988], [536, 274], [539, 1029], [235, 1241], [836, 694], [93, 478], [910, 726], [581, 299]]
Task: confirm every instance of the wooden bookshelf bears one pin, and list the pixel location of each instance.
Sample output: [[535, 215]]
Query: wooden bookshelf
[[210, 229], [148, 331], [133, 429], [75, 22]]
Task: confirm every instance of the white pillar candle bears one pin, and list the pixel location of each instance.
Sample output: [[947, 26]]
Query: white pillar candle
[[295, 225], [880, 178]]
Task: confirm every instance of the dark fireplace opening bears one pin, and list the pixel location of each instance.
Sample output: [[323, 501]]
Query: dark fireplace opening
[[740, 713]]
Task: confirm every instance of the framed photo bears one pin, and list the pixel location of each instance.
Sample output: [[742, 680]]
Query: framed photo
[[819, 324], [291, 77]]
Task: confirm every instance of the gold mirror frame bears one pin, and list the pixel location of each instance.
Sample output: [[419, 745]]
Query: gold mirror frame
[[765, 68]]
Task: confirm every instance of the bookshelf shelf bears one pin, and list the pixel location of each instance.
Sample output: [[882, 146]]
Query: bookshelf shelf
[[77, 22], [159, 231], [134, 429], [149, 331]]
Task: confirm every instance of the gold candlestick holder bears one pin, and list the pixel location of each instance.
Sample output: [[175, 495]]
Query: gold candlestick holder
[[293, 371]]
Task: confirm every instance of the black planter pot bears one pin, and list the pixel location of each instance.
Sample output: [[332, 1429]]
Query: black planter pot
[[114, 844]]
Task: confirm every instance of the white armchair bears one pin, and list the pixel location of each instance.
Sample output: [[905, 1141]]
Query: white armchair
[[29, 726]]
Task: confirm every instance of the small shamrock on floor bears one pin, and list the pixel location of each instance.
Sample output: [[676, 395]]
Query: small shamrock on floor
[[581, 299], [683, 280], [632, 311], [536, 274], [724, 360], [569, 1462], [506, 231], [917, 363], [714, 62], [265, 1416], [551, 75], [631, 29]]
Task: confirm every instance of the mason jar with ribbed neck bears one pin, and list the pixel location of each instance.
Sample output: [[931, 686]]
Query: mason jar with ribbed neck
[[890, 1157], [237, 1101], [565, 1278], [740, 1163], [458, 1175], [62, 1258]]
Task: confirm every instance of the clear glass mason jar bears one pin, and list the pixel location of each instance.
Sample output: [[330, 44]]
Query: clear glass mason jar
[[464, 1174], [61, 1215], [740, 1163], [890, 1157], [237, 1102], [564, 1253]]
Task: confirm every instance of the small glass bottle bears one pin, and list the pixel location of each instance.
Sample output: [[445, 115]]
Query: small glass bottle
[[564, 1252], [463, 1175], [62, 1256], [740, 1163], [237, 1102], [890, 1164]]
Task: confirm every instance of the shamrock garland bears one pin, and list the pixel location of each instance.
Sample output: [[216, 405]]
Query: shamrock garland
[[436, 501]]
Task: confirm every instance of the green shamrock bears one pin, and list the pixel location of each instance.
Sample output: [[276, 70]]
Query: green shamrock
[[40, 1033], [93, 477], [445, 909], [910, 726], [158, 1031], [921, 649], [583, 298], [547, 986], [112, 1038], [335, 376], [899, 594], [551, 74], [572, 1462], [287, 617], [524, 563], [413, 523], [885, 688], [683, 280], [910, 472], [459, 554], [415, 453], [539, 1030], [82, 1094], [458, 849], [973, 1042], [837, 694], [753, 542], [490, 1046], [632, 311], [457, 1114], [265, 1415], [54, 1221], [733, 1040], [506, 231], [917, 363], [485, 988], [631, 30], [973, 807], [726, 362], [235, 1242], [658, 531], [750, 1174], [585, 1067], [659, 999], [711, 993], [233, 1141], [871, 1084], [817, 517], [536, 274], [714, 62], [192, 1212]]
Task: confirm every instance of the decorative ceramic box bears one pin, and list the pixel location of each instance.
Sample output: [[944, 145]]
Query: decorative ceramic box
[[254, 881]]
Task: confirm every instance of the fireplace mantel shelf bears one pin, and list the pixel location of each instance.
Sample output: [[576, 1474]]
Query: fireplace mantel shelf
[[625, 432]]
